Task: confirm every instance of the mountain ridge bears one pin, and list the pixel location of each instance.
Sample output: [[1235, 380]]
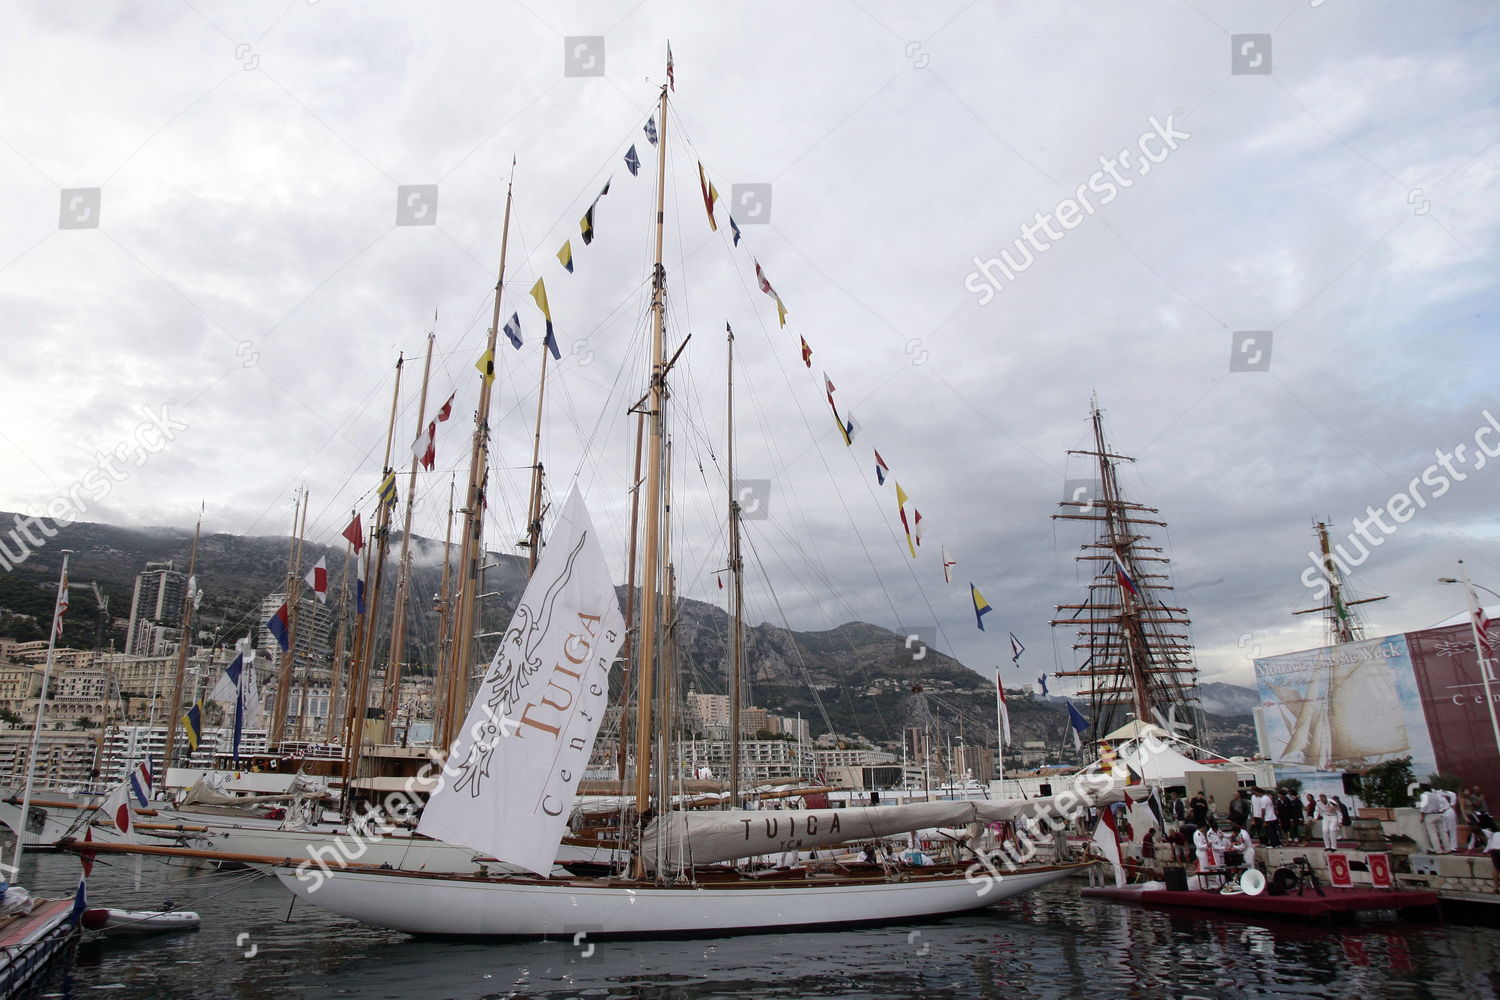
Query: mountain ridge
[[857, 678]]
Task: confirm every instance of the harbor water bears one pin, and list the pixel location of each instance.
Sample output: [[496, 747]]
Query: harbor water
[[1052, 943]]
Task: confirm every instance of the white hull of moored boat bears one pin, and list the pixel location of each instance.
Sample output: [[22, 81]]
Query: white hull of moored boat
[[419, 904]]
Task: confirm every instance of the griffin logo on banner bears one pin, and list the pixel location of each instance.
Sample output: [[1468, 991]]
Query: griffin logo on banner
[[513, 771]]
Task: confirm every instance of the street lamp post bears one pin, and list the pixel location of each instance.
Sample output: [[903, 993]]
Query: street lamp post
[[1480, 643]]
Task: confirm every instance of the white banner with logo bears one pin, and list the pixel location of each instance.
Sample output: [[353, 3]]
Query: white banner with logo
[[514, 770]]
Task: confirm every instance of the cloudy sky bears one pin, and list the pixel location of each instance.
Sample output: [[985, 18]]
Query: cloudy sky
[[202, 221]]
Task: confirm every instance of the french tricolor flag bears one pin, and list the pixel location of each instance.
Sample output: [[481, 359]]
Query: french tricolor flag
[[359, 587], [280, 627], [1123, 575], [140, 783]]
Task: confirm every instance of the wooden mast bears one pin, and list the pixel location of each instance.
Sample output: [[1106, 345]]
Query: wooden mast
[[359, 692], [627, 652], [471, 551], [666, 661], [1119, 544], [283, 701], [361, 621], [392, 699], [534, 503], [445, 620], [340, 649], [737, 627], [649, 582], [170, 753]]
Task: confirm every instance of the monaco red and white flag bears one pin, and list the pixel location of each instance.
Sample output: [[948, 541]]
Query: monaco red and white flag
[[317, 579]]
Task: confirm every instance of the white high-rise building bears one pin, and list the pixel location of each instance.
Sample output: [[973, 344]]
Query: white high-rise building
[[156, 603]]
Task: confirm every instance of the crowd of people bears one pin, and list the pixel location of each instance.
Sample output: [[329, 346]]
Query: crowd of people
[[1443, 809], [1196, 830]]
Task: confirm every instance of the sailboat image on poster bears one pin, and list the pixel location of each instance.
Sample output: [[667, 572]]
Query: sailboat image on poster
[[1344, 710]]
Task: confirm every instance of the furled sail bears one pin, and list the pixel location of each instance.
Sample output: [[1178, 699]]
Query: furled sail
[[701, 838], [513, 772]]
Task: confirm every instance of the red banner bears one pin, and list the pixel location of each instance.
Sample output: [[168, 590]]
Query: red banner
[[1380, 870], [1338, 871], [1458, 720]]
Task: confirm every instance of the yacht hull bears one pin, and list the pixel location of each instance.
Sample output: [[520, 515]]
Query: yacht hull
[[434, 905]]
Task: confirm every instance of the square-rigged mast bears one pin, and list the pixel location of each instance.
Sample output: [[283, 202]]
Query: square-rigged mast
[[1138, 655]]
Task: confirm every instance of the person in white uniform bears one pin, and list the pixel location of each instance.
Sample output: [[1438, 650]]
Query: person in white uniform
[[1241, 841], [1430, 805], [1332, 819], [1203, 843], [1450, 817]]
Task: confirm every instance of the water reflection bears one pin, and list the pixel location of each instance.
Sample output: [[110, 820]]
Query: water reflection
[[1051, 943]]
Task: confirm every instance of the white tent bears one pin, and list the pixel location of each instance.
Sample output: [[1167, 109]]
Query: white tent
[[1156, 760], [1136, 729]]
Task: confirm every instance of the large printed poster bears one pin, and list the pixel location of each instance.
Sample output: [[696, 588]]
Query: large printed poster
[[1342, 708], [1463, 735]]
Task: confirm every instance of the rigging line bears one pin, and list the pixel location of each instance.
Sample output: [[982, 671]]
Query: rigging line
[[814, 443], [849, 643], [890, 528], [589, 185], [634, 347], [796, 649], [816, 449], [858, 534]]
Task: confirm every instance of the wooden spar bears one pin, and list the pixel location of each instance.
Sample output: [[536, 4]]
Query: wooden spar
[[169, 754], [737, 626], [445, 618], [646, 659], [283, 702], [534, 501], [471, 551], [340, 649], [101, 847], [627, 653], [360, 621], [392, 700], [359, 693], [665, 658]]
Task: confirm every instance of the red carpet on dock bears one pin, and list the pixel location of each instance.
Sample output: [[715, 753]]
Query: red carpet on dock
[[1309, 904]]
